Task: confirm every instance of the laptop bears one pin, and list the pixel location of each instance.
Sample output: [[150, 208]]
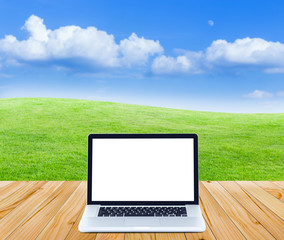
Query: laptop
[[142, 183]]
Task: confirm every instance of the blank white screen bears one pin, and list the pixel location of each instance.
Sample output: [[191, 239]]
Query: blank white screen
[[143, 169]]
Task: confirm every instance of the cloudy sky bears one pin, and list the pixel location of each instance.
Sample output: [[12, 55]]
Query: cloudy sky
[[202, 55]]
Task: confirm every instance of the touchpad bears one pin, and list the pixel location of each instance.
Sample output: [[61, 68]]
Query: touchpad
[[141, 222]]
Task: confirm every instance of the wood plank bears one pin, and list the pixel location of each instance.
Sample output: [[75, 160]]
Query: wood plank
[[36, 222], [272, 188], [42, 211], [17, 197], [140, 236], [12, 220], [74, 233], [267, 218], [4, 183], [207, 235], [219, 222], [8, 189], [170, 236], [110, 236], [248, 225], [279, 183], [61, 223], [267, 199]]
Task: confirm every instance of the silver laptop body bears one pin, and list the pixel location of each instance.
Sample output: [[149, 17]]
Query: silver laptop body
[[142, 183]]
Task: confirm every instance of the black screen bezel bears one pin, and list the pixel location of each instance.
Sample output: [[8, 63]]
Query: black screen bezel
[[89, 187]]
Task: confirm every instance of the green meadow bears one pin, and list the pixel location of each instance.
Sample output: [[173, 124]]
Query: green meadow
[[46, 138]]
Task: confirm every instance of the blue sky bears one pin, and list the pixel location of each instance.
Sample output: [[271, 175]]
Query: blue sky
[[202, 55]]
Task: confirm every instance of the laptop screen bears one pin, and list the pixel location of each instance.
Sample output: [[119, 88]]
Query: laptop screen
[[142, 169]]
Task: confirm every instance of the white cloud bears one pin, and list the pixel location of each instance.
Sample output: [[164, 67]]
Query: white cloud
[[137, 50], [251, 51], [73, 42], [280, 94], [189, 63], [34, 25], [259, 94], [98, 48], [275, 70], [242, 52], [163, 64], [211, 23]]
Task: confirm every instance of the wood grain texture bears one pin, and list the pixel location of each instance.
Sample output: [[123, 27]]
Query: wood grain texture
[[272, 188], [270, 201], [53, 210], [207, 235], [13, 200], [170, 236], [139, 236], [24, 210], [61, 223], [219, 222], [7, 189], [35, 223], [4, 183], [110, 236], [248, 225], [74, 233], [267, 218], [279, 183]]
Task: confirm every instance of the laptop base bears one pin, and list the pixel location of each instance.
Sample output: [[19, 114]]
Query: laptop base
[[92, 223]]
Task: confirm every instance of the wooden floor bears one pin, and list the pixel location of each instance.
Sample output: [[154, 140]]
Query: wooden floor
[[52, 210]]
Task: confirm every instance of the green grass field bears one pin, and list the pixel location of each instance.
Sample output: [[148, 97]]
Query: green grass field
[[46, 139]]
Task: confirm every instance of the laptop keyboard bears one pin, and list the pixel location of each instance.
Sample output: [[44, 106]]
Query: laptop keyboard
[[142, 212]]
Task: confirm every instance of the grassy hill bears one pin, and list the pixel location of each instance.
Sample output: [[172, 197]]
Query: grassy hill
[[46, 139]]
